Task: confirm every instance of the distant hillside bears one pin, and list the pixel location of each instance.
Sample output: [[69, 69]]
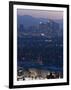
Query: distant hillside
[[27, 20]]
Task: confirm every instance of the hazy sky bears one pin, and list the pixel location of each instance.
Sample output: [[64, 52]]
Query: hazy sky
[[50, 14]]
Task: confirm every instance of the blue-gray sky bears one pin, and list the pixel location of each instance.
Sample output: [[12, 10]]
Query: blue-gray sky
[[50, 14]]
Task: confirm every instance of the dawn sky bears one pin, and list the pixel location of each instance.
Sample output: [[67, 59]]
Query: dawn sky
[[50, 14]]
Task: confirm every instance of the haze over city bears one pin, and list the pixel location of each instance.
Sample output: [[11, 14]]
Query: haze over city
[[50, 14]]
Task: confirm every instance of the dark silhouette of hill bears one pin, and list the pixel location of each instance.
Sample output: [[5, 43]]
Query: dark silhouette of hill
[[27, 20], [29, 25]]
